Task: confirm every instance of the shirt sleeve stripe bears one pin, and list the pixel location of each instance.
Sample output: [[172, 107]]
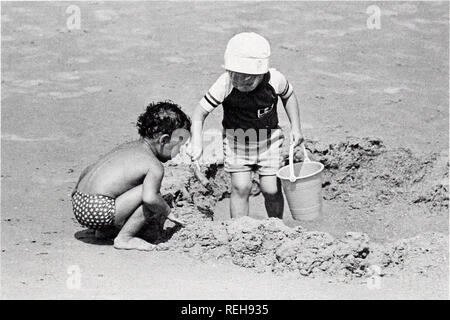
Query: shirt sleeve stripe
[[286, 89], [210, 102], [288, 96], [206, 105], [217, 102]]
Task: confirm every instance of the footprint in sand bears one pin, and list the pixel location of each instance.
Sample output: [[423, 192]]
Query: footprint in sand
[[106, 15], [355, 77], [409, 25], [73, 94], [211, 28], [343, 91], [63, 95], [142, 32], [15, 90], [321, 32], [317, 58], [402, 55], [50, 181], [93, 89], [64, 76], [324, 32], [113, 51], [356, 29], [330, 17], [27, 83], [80, 59], [14, 137], [174, 59], [255, 25], [146, 38], [394, 90], [423, 21], [346, 76], [94, 72]]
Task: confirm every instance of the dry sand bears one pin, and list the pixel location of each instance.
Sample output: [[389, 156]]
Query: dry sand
[[69, 96]]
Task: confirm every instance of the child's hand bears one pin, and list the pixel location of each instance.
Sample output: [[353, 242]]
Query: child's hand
[[296, 138], [175, 219], [194, 150]]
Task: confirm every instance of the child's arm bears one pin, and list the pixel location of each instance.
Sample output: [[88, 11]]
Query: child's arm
[[211, 100], [198, 118], [293, 112], [151, 196]]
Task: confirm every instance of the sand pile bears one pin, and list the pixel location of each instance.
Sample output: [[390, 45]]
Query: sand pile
[[182, 189], [424, 254], [270, 246], [360, 172], [363, 174]]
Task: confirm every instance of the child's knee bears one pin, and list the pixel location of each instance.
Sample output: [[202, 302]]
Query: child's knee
[[242, 188], [271, 190]]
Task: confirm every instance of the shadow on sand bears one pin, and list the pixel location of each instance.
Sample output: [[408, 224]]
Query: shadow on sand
[[153, 233], [88, 236]]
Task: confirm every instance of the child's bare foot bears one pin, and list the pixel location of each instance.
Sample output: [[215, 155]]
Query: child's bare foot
[[132, 243]]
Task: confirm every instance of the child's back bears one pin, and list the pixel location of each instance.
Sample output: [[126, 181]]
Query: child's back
[[118, 171]]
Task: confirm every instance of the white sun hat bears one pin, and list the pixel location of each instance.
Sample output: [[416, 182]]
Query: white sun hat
[[247, 52]]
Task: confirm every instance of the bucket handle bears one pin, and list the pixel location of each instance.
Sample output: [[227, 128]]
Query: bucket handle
[[292, 176]]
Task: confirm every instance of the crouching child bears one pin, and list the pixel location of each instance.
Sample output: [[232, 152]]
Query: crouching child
[[121, 191]]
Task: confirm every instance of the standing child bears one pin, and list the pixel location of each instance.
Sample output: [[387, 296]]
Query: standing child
[[122, 189], [248, 92]]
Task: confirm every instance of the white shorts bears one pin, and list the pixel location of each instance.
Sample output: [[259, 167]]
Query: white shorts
[[263, 157]]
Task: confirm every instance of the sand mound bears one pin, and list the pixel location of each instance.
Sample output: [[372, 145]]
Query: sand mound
[[360, 172], [363, 174], [270, 246]]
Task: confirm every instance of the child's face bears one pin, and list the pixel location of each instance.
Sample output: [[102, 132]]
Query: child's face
[[170, 148], [245, 82]]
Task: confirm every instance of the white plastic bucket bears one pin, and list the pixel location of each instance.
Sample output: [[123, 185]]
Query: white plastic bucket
[[302, 186]]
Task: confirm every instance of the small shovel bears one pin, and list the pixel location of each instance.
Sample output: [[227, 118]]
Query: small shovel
[[292, 176], [199, 175]]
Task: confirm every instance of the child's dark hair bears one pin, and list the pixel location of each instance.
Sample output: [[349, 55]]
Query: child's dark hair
[[162, 118]]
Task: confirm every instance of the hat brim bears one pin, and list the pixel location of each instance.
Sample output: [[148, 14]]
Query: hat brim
[[246, 65]]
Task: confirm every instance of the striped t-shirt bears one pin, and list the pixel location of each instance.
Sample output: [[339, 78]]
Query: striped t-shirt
[[244, 110]]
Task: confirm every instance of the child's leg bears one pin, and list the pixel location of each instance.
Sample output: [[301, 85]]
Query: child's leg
[[126, 204], [126, 239], [131, 218], [241, 185], [273, 196]]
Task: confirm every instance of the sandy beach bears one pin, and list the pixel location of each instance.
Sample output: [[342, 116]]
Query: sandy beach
[[374, 109]]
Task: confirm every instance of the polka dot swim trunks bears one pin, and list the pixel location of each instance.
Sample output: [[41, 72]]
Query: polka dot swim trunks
[[93, 211]]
